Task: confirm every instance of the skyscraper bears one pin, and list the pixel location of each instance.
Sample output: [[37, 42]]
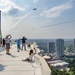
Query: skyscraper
[[51, 47], [60, 47], [0, 29]]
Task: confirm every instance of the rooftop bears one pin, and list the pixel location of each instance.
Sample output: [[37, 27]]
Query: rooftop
[[13, 64], [58, 62]]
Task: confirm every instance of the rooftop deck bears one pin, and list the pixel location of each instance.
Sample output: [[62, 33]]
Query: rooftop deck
[[13, 64]]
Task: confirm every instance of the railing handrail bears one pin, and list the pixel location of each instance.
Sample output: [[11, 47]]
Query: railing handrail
[[44, 66]]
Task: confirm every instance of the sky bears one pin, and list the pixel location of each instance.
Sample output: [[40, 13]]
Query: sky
[[52, 19]]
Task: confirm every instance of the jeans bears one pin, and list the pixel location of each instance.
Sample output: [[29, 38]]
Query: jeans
[[23, 45]]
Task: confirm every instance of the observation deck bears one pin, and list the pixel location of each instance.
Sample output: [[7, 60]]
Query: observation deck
[[13, 64]]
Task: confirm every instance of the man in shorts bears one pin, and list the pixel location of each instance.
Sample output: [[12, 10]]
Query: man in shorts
[[7, 42]]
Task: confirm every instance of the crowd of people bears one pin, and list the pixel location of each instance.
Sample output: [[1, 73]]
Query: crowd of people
[[7, 41]]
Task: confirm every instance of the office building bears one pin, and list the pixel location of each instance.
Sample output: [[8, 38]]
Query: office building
[[59, 65], [60, 47], [51, 47]]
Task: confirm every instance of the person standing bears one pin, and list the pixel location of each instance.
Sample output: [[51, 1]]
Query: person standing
[[7, 42], [18, 45], [3, 42], [24, 43]]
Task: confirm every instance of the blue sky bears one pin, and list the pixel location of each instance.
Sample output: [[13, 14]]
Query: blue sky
[[49, 12]]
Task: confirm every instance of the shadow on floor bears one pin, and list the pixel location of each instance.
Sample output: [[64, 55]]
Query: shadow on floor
[[1, 54], [13, 56], [1, 67], [29, 61], [2, 49]]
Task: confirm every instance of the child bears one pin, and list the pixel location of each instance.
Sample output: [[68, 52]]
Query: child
[[31, 54], [18, 45]]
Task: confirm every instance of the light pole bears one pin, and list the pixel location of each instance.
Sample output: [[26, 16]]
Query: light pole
[[0, 30]]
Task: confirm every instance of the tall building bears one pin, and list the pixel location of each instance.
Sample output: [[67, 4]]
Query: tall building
[[60, 47], [0, 29], [51, 47]]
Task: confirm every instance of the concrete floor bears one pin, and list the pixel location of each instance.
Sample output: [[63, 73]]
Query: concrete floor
[[13, 64]]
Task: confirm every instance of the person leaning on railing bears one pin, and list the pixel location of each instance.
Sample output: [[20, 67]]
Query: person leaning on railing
[[31, 54]]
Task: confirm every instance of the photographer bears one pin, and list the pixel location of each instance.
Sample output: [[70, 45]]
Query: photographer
[[7, 42], [24, 43]]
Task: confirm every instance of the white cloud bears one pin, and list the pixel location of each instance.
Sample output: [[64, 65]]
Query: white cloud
[[56, 11], [34, 1], [8, 5]]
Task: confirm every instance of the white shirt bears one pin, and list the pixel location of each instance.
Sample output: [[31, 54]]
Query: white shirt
[[7, 40], [30, 56]]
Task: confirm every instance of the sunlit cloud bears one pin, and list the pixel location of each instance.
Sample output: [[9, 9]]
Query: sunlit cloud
[[57, 11], [9, 7]]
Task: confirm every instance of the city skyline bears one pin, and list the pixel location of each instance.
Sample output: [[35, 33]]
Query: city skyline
[[37, 23]]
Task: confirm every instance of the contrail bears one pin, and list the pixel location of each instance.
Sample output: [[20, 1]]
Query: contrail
[[21, 19], [49, 25], [57, 24]]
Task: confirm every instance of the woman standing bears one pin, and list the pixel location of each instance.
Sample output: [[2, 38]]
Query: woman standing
[[7, 42]]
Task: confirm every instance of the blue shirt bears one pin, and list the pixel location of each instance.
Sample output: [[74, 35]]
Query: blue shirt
[[18, 42]]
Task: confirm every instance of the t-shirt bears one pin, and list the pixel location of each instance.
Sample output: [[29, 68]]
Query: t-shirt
[[30, 56], [7, 40], [24, 40], [18, 42]]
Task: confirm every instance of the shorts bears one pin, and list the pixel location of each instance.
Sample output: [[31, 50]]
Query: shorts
[[7, 46], [28, 59]]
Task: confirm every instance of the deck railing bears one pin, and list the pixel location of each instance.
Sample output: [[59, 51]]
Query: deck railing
[[44, 66]]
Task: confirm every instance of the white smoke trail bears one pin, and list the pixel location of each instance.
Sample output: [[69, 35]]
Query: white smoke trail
[[20, 19]]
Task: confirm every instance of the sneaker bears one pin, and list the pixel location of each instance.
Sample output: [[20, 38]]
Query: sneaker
[[18, 51], [8, 53]]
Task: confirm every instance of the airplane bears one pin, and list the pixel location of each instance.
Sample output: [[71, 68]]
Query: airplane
[[35, 9]]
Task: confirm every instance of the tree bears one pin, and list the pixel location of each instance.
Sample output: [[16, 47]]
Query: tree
[[70, 48]]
